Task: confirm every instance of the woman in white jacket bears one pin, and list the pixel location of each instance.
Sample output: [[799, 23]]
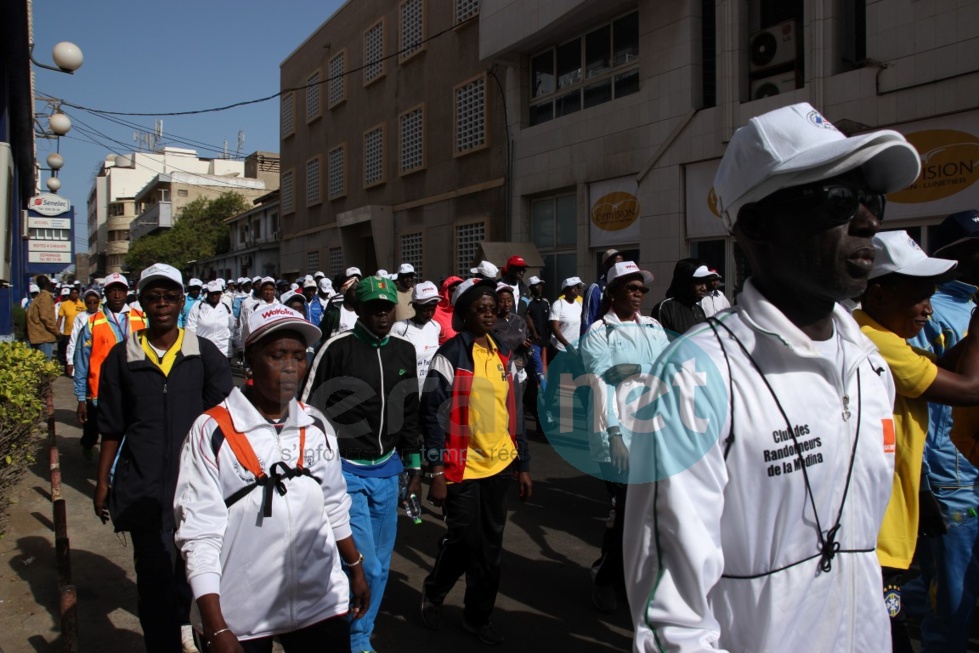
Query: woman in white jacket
[[213, 319], [262, 509], [618, 348]]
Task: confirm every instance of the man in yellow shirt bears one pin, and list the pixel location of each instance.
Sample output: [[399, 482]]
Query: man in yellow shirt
[[895, 307], [69, 307]]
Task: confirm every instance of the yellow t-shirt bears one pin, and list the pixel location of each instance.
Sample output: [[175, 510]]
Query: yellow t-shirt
[[490, 447], [169, 357], [68, 310], [914, 370]]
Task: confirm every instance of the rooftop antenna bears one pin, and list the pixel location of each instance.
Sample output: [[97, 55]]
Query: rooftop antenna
[[241, 143]]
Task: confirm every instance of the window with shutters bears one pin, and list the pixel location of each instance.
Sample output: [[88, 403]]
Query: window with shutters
[[287, 192], [336, 262], [338, 78], [313, 182], [338, 171], [374, 157], [374, 52], [411, 138], [470, 115], [468, 237], [466, 9], [411, 36], [313, 93], [288, 115], [412, 250]]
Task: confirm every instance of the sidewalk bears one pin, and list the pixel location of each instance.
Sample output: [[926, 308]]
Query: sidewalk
[[544, 602]]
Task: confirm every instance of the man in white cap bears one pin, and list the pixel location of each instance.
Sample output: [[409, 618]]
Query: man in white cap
[[485, 270], [101, 332], [753, 510], [41, 324], [213, 319], [32, 290], [715, 300], [194, 287], [319, 302], [420, 329], [265, 294], [405, 281], [895, 308], [153, 386]]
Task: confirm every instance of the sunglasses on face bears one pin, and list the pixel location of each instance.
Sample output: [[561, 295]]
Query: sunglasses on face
[[634, 288], [156, 298], [835, 204]]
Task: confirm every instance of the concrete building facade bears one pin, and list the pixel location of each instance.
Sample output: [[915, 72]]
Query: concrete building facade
[[393, 141], [112, 201], [619, 111], [254, 244]]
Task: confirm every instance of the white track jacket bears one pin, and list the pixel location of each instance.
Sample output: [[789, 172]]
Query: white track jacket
[[725, 553], [275, 574]]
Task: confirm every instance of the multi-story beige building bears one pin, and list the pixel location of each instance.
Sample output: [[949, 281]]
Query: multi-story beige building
[[112, 203], [393, 141], [619, 111]]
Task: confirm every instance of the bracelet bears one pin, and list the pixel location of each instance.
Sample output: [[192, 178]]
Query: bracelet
[[358, 561], [434, 474], [414, 471], [218, 632]]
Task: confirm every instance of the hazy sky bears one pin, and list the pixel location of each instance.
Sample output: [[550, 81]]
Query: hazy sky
[[161, 57]]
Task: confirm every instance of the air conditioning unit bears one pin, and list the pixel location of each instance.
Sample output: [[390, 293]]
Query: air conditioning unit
[[773, 47], [774, 85]]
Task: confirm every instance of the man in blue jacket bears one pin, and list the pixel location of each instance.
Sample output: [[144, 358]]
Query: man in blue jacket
[[945, 594]]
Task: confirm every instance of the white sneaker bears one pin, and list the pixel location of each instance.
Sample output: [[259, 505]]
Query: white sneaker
[[187, 639]]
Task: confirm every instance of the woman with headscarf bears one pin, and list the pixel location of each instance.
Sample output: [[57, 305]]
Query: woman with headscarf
[[681, 309], [617, 348], [263, 512], [444, 310]]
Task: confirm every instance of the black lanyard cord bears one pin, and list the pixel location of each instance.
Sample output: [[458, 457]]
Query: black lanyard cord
[[828, 546]]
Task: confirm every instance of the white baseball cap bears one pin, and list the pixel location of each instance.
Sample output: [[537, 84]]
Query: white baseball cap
[[318, 275], [796, 145], [897, 253], [623, 268], [485, 269], [213, 286], [425, 292], [35, 288], [406, 268], [354, 272], [115, 278], [325, 285], [258, 279], [533, 281], [703, 272], [505, 287], [571, 282], [468, 284], [159, 271], [264, 280], [65, 291], [277, 317], [309, 283]]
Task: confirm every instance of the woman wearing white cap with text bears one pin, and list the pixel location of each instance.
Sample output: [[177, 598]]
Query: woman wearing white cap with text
[[262, 509]]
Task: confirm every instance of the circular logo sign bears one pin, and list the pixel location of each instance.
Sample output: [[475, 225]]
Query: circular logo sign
[[949, 164], [615, 211]]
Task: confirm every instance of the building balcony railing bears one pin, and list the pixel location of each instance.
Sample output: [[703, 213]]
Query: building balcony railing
[[158, 216]]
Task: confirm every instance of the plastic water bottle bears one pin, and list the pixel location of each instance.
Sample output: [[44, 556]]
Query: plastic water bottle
[[413, 507]]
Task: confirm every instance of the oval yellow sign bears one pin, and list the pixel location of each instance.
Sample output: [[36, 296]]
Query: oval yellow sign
[[615, 211], [712, 202], [949, 165]]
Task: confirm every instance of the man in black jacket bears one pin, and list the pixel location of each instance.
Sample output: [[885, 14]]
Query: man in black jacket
[[365, 382], [152, 387]]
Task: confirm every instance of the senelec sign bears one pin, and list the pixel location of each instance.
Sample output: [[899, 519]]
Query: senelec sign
[[49, 204]]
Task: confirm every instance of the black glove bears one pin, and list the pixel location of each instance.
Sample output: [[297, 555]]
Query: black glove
[[931, 523]]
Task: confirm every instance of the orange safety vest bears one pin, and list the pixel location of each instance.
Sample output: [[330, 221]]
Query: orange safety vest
[[103, 340], [243, 451]]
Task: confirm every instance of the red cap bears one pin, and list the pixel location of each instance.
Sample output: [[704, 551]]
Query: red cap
[[516, 262]]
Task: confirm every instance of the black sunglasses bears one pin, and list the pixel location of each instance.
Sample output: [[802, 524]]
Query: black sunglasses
[[836, 204]]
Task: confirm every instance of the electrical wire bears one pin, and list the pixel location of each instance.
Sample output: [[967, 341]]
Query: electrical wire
[[409, 48]]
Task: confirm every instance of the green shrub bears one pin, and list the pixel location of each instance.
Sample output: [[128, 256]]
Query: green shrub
[[25, 379]]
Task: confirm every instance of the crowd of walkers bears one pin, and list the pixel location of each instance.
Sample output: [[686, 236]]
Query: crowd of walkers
[[794, 472]]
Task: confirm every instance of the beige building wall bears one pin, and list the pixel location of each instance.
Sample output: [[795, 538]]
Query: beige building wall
[[376, 216], [915, 69]]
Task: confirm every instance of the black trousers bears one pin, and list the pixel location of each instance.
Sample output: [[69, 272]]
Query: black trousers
[[163, 593], [611, 572], [329, 636], [90, 430], [475, 514]]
